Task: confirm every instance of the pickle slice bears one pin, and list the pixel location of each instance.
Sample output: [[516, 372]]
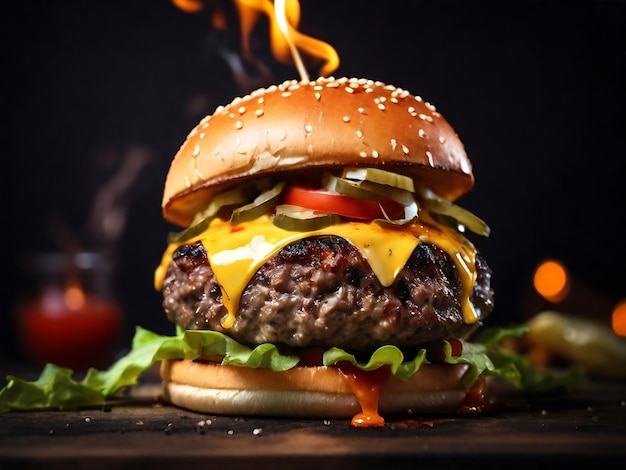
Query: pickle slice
[[436, 205], [262, 204], [234, 196], [299, 219], [347, 188], [230, 197], [376, 175], [368, 190]]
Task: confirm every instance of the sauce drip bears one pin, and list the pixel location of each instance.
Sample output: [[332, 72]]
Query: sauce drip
[[475, 399], [366, 386]]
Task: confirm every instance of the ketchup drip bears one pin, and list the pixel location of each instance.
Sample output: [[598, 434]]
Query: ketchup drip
[[366, 387], [475, 398]]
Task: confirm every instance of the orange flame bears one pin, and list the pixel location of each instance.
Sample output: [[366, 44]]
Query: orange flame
[[286, 40], [189, 6]]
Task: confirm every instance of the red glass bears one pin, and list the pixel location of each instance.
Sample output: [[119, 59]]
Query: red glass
[[73, 320]]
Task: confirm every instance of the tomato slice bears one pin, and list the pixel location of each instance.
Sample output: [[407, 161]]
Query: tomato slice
[[324, 200]]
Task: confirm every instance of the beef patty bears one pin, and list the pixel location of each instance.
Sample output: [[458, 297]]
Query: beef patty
[[321, 292]]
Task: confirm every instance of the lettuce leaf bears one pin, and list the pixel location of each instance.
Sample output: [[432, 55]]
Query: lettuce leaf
[[56, 389]]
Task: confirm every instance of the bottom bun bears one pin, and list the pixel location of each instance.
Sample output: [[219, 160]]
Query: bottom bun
[[306, 392]]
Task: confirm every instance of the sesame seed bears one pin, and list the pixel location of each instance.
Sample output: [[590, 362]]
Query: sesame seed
[[285, 94], [362, 154], [422, 117], [308, 128], [430, 158], [394, 144], [231, 115], [430, 106], [393, 99], [359, 133], [381, 106], [412, 111], [318, 87], [239, 124], [441, 139], [242, 110], [361, 110], [201, 135], [261, 100], [421, 133], [346, 119], [196, 151], [259, 112], [349, 89], [374, 154], [419, 98], [318, 96], [405, 149]]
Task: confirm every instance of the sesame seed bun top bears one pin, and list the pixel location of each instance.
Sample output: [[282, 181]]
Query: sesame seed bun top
[[326, 123]]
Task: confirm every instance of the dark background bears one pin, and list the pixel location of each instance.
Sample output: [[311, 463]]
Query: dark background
[[534, 89]]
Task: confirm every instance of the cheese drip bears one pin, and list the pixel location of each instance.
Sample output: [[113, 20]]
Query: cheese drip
[[237, 252]]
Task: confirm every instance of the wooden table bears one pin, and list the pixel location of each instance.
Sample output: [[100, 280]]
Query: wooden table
[[589, 429]]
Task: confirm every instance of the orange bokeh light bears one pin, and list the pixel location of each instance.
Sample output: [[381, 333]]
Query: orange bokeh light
[[551, 280], [618, 318], [74, 298]]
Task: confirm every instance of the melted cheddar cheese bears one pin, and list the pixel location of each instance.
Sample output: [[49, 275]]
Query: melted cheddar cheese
[[237, 252]]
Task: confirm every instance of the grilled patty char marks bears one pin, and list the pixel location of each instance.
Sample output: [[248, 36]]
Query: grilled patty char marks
[[321, 292]]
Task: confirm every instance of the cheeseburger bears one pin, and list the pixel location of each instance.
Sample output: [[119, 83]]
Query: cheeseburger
[[319, 223]]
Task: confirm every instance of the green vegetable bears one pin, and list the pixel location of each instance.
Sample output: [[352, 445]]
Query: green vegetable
[[347, 188], [262, 204], [368, 190], [591, 345], [55, 388], [376, 175], [296, 218], [235, 196], [436, 205]]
